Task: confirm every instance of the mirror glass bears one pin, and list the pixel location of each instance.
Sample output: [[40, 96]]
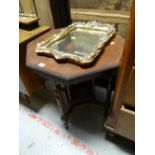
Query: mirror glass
[[80, 42]]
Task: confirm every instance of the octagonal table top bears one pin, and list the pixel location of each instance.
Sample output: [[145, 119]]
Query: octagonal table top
[[109, 58]]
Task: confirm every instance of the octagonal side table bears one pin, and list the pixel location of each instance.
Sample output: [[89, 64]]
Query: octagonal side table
[[66, 76]]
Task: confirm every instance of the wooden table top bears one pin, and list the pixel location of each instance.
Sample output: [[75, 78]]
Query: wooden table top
[[26, 35], [109, 58]]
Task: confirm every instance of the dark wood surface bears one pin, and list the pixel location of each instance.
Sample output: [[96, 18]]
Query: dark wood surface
[[64, 74], [61, 12], [108, 59]]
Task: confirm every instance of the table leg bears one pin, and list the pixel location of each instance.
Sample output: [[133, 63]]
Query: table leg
[[24, 97], [65, 102], [108, 95], [61, 99]]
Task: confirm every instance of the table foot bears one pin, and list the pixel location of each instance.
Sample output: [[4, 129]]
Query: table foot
[[65, 121], [24, 97]]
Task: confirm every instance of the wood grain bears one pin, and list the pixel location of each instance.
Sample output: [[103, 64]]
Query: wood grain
[[31, 81], [129, 95], [25, 35], [124, 78]]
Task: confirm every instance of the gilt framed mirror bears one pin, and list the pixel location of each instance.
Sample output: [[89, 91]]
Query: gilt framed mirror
[[79, 43]]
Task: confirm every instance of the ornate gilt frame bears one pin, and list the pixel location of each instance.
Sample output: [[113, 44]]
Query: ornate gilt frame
[[109, 30]]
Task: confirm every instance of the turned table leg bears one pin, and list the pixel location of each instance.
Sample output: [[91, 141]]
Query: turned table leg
[[110, 87], [64, 100], [61, 99]]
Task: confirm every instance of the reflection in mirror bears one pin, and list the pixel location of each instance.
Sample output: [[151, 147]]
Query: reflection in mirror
[[79, 42]]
